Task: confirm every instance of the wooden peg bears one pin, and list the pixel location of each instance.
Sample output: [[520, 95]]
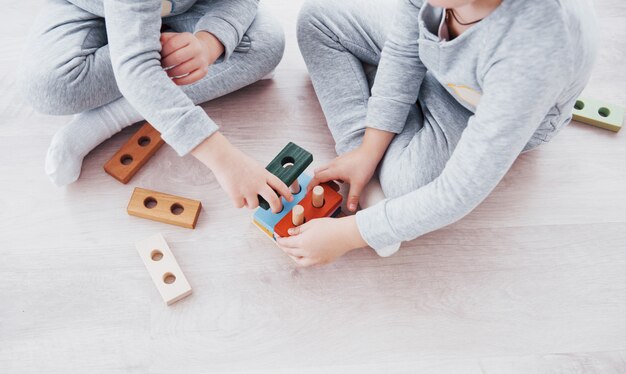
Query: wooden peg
[[295, 186], [318, 197], [126, 162], [162, 207], [163, 268], [297, 215], [332, 204]]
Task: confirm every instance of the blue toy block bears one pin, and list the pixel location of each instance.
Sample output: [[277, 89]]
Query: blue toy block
[[267, 220]]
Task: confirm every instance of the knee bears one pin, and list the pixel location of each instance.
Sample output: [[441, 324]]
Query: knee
[[48, 89], [311, 20], [267, 41]]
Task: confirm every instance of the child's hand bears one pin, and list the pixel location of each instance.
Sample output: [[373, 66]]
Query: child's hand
[[321, 241], [355, 167], [240, 176], [187, 56]]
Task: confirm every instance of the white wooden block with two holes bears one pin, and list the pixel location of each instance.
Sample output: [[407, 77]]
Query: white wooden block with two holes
[[163, 268]]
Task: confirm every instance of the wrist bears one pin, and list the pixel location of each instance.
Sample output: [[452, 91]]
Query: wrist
[[211, 44], [212, 150], [375, 142], [353, 235]]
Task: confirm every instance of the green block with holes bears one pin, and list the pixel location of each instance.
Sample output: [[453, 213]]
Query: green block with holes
[[287, 166], [596, 113]]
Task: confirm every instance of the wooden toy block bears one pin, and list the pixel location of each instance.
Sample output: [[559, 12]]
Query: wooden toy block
[[134, 154], [596, 113], [266, 220], [287, 166], [297, 215], [163, 268], [165, 208], [332, 203]]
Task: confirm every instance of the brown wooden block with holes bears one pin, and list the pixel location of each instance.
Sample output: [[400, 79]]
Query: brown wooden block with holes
[[332, 202], [134, 154], [162, 207]]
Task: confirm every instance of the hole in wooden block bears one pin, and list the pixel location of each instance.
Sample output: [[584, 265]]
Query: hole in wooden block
[[579, 105], [288, 162], [144, 141], [149, 202], [169, 278], [126, 159], [156, 255], [604, 112], [177, 209]]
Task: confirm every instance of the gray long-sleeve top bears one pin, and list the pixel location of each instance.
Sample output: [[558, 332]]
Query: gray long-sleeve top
[[133, 30], [519, 71]]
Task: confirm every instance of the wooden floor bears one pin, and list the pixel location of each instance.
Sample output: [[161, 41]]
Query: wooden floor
[[533, 281]]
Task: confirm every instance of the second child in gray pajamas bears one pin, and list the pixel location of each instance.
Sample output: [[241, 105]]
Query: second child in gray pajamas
[[439, 98], [117, 62]]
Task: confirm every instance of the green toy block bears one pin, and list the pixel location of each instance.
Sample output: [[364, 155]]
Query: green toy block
[[287, 166], [595, 113]]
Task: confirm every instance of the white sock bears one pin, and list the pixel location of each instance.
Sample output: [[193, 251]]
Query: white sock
[[86, 131]]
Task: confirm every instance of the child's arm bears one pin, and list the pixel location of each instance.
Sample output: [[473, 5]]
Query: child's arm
[[393, 95], [518, 92], [133, 30], [228, 20], [519, 89], [400, 72]]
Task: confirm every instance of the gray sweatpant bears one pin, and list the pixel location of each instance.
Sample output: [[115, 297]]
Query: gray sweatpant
[[67, 66], [341, 43]]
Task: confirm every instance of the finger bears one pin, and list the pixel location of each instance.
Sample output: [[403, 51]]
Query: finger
[[305, 262], [178, 41], [295, 258], [353, 196], [270, 196], [252, 201], [324, 176], [192, 77], [165, 36], [279, 186], [315, 180], [296, 230], [177, 57], [239, 202], [321, 168], [184, 68], [295, 252], [288, 242]]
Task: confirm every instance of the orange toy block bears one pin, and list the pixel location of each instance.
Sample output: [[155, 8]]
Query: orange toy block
[[332, 202], [134, 154]]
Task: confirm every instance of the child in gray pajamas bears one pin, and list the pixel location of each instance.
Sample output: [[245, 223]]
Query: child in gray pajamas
[[459, 88], [116, 62]]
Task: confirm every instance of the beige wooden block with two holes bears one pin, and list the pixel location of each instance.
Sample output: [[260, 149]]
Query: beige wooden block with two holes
[[163, 207], [163, 268]]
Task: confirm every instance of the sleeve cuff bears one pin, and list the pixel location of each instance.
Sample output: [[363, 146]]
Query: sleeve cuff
[[386, 114], [225, 32], [377, 231], [189, 131]]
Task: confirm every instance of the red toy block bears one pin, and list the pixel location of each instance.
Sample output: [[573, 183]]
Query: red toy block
[[332, 202]]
